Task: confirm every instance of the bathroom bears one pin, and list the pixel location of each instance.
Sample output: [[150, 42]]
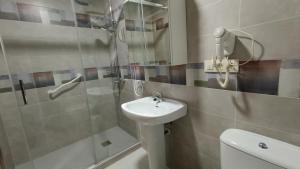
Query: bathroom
[[71, 72]]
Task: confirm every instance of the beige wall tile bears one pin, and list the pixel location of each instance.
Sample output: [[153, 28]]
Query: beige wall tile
[[207, 124], [8, 100], [199, 3], [184, 156], [205, 144], [11, 117], [201, 48], [4, 146], [273, 112], [259, 11], [18, 144], [95, 47], [277, 40], [38, 55], [270, 132], [204, 20]]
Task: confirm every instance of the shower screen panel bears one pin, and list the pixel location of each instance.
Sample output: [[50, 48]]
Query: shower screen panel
[[45, 45]]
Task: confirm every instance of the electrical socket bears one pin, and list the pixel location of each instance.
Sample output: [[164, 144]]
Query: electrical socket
[[233, 68]]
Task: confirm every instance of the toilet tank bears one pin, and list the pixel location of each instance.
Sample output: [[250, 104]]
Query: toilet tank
[[245, 150]]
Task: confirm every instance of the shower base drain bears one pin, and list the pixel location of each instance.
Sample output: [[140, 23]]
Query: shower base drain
[[106, 143]]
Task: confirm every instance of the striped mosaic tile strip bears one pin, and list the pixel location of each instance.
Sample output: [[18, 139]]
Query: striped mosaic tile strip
[[255, 77], [51, 78]]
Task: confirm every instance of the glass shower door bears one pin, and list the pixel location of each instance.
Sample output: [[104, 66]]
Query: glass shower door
[[47, 45], [45, 131], [100, 60], [57, 128]]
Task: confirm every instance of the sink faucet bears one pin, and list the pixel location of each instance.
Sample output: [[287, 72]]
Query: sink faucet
[[157, 96]]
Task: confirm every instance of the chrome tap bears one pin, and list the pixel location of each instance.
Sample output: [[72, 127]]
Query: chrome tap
[[157, 96]]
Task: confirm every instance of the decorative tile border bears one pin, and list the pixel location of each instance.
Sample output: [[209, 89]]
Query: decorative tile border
[[83, 20], [43, 79], [91, 74], [264, 77], [27, 78], [255, 77], [178, 74], [51, 78], [5, 84], [259, 77]]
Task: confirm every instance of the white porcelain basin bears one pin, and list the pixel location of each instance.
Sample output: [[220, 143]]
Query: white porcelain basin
[[147, 111]]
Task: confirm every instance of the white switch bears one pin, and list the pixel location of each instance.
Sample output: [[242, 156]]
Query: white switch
[[233, 68]]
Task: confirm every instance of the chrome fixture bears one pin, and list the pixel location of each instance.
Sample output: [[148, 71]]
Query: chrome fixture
[[157, 96], [263, 145], [53, 91]]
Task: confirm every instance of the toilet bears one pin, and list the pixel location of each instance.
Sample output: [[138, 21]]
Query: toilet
[[245, 150]]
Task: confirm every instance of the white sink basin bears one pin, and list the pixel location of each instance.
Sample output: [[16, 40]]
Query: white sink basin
[[148, 112]]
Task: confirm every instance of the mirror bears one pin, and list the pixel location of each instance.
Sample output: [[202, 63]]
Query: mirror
[[148, 31]]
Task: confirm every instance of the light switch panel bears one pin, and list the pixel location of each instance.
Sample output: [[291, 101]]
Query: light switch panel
[[233, 68]]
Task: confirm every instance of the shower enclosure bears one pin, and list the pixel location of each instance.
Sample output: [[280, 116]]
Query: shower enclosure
[[44, 46]]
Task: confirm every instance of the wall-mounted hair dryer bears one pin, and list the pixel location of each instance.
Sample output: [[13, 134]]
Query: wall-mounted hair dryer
[[220, 63], [225, 42]]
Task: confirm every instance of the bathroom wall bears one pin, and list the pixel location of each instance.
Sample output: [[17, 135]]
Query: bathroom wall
[[252, 102], [5, 155]]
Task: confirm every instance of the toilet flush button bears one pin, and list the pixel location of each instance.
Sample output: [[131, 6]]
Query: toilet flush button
[[263, 145]]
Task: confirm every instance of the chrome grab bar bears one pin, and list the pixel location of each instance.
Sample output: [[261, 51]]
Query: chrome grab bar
[[52, 91]]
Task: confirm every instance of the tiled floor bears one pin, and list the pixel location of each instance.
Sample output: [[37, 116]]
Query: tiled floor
[[81, 155], [135, 160]]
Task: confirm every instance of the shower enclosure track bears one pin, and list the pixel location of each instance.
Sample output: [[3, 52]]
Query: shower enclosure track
[[114, 158]]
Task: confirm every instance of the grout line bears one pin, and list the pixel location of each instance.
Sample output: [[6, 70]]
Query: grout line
[[271, 21], [197, 133], [234, 108], [195, 109], [211, 4], [268, 128], [240, 10]]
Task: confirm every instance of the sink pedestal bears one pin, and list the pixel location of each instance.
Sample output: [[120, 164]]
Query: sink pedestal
[[154, 142]]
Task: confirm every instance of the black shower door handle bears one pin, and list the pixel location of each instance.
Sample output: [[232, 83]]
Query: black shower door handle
[[23, 91]]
